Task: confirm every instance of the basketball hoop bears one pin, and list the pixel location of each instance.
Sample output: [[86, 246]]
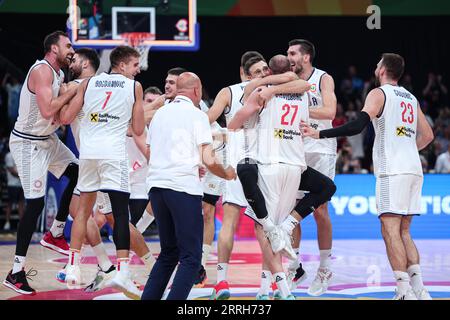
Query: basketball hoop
[[136, 40]]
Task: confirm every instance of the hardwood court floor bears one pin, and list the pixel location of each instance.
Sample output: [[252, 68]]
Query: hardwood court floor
[[361, 271]]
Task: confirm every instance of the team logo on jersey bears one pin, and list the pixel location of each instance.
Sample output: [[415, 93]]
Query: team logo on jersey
[[94, 117], [403, 131], [313, 88], [278, 133]]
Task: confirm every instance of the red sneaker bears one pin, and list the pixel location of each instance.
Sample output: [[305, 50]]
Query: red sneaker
[[18, 282], [221, 291], [57, 244]]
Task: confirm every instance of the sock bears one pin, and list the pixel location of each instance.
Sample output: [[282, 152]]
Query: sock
[[74, 257], [19, 264], [149, 260], [266, 282], [289, 224], [123, 265], [267, 223], [402, 279], [102, 257], [325, 258], [57, 228], [205, 253], [294, 264], [280, 280], [144, 222], [222, 269], [415, 274]]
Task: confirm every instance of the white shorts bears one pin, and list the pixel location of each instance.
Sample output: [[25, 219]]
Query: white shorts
[[279, 184], [138, 191], [100, 175], [213, 184], [234, 194], [35, 158], [322, 162], [103, 203], [399, 194]]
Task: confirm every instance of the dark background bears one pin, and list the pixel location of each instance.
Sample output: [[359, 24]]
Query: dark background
[[340, 42]]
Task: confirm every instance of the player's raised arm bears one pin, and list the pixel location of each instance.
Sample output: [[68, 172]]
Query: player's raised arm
[[137, 120], [328, 109], [151, 108], [41, 79], [424, 132], [222, 100], [272, 79], [70, 112], [253, 104]]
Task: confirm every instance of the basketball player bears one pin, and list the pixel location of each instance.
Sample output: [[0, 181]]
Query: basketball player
[[170, 91], [401, 130], [280, 159], [109, 102], [36, 150], [228, 101], [320, 155]]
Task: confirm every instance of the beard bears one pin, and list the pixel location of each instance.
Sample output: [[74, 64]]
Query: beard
[[297, 69], [74, 74]]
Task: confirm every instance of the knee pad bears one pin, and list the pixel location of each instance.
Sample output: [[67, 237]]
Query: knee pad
[[121, 233], [71, 172]]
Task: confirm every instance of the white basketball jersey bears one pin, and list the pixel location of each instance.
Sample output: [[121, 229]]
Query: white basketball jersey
[[279, 135], [75, 125], [108, 106], [30, 122], [395, 150], [326, 146], [216, 129], [138, 166], [242, 143]]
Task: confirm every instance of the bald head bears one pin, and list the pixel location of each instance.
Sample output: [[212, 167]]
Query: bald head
[[279, 64], [189, 85]]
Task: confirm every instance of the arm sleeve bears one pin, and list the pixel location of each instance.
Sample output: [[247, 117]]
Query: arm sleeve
[[349, 129]]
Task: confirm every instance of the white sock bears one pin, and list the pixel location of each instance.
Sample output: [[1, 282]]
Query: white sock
[[289, 224], [74, 257], [415, 275], [206, 249], [266, 282], [144, 222], [222, 269], [57, 228], [149, 261], [102, 257], [280, 280], [294, 264], [123, 265], [325, 258], [19, 264], [402, 279], [267, 223]]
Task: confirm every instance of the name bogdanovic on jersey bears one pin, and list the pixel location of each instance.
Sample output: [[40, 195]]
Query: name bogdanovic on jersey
[[108, 104]]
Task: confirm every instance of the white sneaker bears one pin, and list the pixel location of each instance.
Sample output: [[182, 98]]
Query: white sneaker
[[7, 226], [320, 284], [73, 277], [276, 239], [295, 276], [102, 279], [122, 281], [422, 294], [408, 295], [287, 250]]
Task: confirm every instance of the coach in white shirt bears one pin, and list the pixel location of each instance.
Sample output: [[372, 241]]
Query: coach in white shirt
[[179, 140]]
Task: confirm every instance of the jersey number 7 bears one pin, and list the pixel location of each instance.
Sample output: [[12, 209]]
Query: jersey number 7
[[108, 95]]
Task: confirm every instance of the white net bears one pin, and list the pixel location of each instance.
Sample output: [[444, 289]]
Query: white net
[[136, 40]]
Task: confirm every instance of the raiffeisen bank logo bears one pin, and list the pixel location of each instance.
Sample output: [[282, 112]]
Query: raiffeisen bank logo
[[358, 205]]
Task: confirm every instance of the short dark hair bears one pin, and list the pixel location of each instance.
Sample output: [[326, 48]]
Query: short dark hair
[[279, 64], [91, 55], [122, 54], [250, 62], [52, 39], [394, 64], [249, 54], [176, 71], [306, 47], [152, 90]]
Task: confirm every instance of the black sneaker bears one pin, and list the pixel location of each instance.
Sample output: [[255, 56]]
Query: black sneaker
[[201, 278], [18, 281], [300, 274]]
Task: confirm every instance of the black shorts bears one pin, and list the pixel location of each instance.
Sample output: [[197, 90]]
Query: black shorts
[[210, 199], [15, 194]]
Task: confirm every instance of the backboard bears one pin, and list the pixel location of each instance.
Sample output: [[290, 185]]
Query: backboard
[[100, 24]]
